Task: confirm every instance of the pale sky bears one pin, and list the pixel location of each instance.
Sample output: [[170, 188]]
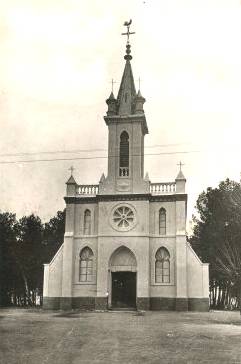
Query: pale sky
[[57, 59]]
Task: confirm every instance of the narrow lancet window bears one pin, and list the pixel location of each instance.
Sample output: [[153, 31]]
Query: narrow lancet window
[[124, 154], [87, 222], [162, 266], [86, 265], [162, 221]]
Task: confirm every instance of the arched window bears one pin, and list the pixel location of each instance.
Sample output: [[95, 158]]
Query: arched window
[[87, 222], [86, 265], [162, 221], [162, 266], [124, 154]]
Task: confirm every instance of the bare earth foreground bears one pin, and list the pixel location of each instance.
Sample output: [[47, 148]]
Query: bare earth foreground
[[35, 336]]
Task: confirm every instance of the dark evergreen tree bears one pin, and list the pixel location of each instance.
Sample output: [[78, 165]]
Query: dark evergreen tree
[[54, 235], [25, 245], [9, 273], [217, 240]]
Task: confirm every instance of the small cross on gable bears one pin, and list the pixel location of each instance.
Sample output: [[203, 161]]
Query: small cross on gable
[[180, 164], [112, 84], [71, 169]]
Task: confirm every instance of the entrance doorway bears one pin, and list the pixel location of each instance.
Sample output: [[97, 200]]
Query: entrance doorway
[[123, 289]]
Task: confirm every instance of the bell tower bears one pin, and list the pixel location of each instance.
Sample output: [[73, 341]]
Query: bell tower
[[127, 127]]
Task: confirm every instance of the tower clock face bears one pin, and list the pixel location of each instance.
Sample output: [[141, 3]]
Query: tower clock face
[[123, 217]]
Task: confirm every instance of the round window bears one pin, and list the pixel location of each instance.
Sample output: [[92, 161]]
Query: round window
[[123, 218]]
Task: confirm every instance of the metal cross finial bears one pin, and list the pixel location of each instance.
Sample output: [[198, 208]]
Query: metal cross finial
[[139, 83], [128, 33], [71, 169], [180, 164], [112, 84]]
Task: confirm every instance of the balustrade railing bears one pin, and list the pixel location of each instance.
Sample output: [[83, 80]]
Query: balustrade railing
[[155, 189], [161, 188], [87, 190], [124, 172]]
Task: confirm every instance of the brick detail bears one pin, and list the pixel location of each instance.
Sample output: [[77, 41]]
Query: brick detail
[[181, 304], [198, 304], [100, 303], [85, 303], [51, 303], [143, 303], [65, 303], [162, 303]]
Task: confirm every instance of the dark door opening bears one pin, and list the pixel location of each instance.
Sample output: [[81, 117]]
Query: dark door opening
[[123, 289]]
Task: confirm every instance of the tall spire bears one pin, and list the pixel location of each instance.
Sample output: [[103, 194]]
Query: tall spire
[[128, 103], [127, 91]]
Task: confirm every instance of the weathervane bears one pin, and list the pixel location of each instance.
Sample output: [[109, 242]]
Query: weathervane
[[128, 33]]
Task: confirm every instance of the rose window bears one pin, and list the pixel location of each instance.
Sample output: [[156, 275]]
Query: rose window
[[123, 217]]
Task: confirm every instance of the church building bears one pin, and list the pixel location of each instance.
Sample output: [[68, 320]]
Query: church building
[[125, 243]]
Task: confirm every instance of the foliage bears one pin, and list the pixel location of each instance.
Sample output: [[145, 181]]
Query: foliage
[[8, 271], [217, 240], [25, 245]]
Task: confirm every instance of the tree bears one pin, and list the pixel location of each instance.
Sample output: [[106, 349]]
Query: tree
[[29, 255], [54, 235], [9, 276], [217, 239], [25, 245]]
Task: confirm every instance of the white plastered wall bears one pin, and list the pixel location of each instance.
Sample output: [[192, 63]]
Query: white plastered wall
[[197, 275], [53, 275]]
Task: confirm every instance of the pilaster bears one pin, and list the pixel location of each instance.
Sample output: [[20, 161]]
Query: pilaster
[[46, 280], [68, 258], [181, 257]]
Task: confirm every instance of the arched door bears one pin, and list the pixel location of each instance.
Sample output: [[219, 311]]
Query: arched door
[[123, 278]]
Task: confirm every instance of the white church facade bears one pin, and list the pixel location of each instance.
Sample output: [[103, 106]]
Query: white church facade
[[125, 239]]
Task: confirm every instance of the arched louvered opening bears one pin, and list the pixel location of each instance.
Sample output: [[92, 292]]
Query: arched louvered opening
[[87, 222], [162, 266], [124, 155], [86, 265], [162, 221]]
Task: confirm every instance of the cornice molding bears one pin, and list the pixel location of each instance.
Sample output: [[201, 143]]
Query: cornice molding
[[125, 197]]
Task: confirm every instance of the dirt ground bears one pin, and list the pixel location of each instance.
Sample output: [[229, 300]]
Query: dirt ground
[[39, 337]]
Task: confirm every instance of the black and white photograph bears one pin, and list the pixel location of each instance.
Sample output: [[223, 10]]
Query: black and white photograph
[[120, 182]]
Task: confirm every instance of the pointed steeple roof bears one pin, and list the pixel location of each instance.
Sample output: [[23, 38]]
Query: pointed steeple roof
[[71, 181], [139, 95], [127, 92], [111, 97], [180, 176], [128, 104]]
